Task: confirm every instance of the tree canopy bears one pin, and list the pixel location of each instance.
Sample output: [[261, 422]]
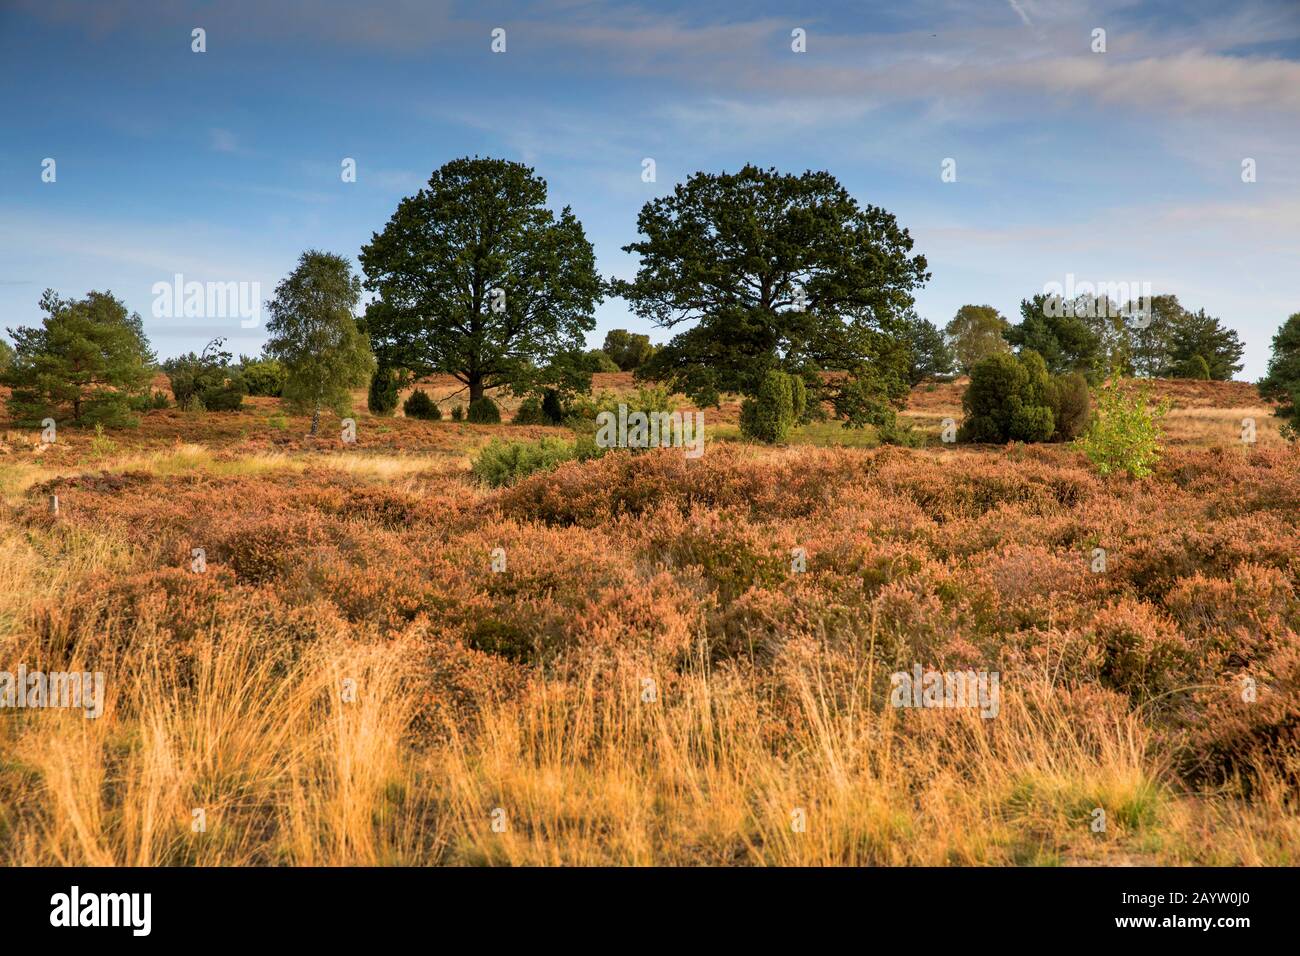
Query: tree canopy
[[1282, 382], [628, 350], [1065, 339], [770, 271], [976, 332], [478, 279], [314, 334], [1196, 335], [86, 359]]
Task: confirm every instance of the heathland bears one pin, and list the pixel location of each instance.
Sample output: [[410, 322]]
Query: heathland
[[667, 661]]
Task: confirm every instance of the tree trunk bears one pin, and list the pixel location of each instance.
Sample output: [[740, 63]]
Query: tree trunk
[[315, 419], [475, 388]]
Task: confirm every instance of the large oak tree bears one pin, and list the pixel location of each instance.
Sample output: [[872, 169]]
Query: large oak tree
[[773, 271], [478, 279]]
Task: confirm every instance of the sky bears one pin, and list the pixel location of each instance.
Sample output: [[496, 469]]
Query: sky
[[224, 165]]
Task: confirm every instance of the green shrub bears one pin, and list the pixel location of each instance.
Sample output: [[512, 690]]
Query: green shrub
[[381, 397], [457, 413], [262, 376], [799, 398], [769, 415], [530, 413], [503, 463], [552, 408], [483, 411], [1194, 367], [149, 400], [600, 361], [1071, 402], [1013, 398], [1124, 433], [207, 381], [419, 405], [101, 446]]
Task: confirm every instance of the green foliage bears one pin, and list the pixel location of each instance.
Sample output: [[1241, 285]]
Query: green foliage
[[483, 411], [1197, 335], [6, 356], [799, 399], [419, 405], [582, 411], [382, 395], [930, 354], [101, 446], [1070, 401], [146, 401], [767, 271], [206, 381], [482, 225], [1195, 367], [769, 416], [1282, 383], [457, 413], [264, 376], [530, 413], [1009, 399], [87, 359], [1124, 433], [503, 463], [552, 407], [600, 361], [873, 392], [1150, 337], [1055, 330], [976, 332], [628, 350], [314, 335]]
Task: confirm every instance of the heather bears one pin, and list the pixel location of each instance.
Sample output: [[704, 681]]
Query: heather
[[649, 678]]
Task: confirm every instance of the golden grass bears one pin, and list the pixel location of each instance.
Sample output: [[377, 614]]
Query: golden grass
[[285, 770]]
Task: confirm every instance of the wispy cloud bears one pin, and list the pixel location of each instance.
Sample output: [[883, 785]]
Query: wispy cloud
[[223, 141]]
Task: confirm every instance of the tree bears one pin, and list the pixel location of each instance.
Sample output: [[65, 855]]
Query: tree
[[314, 335], [1150, 336], [207, 381], [381, 396], [478, 279], [931, 356], [600, 362], [771, 271], [770, 415], [1282, 383], [976, 332], [1200, 335], [6, 356], [1008, 399], [1064, 339], [263, 376], [88, 357], [628, 349]]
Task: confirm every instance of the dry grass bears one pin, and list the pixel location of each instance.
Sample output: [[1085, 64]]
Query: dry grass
[[350, 683]]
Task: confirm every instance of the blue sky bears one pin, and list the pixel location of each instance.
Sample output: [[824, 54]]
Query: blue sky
[[223, 166]]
